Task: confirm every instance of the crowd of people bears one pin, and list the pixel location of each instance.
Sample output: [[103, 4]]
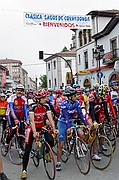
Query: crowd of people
[[57, 108]]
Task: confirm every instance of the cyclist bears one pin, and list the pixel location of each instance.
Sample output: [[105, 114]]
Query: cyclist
[[30, 97], [100, 98], [17, 111], [3, 108], [57, 100], [67, 109], [2, 174], [114, 94], [37, 113]]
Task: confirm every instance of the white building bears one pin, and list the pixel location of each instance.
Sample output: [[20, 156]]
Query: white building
[[60, 69], [105, 31]]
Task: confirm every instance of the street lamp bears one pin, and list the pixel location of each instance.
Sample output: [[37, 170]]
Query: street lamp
[[98, 54], [41, 54]]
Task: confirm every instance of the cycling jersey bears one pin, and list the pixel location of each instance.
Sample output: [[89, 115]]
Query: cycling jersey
[[103, 102], [18, 108], [67, 110], [57, 102], [40, 112], [3, 108]]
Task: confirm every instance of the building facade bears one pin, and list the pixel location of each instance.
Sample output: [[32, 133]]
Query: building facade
[[61, 68], [104, 34], [15, 73]]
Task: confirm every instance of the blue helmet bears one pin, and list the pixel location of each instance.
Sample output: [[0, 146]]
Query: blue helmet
[[112, 83], [76, 85]]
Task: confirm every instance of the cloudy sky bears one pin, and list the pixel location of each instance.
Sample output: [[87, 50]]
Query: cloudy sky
[[23, 43]]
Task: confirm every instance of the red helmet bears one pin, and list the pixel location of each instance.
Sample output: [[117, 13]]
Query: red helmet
[[58, 91], [39, 94]]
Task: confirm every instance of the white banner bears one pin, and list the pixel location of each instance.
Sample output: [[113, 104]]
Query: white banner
[[57, 21]]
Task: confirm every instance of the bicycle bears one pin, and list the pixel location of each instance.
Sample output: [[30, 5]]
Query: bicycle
[[108, 129], [96, 143], [74, 144], [42, 150]]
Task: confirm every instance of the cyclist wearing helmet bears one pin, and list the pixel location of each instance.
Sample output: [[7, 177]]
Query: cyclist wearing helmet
[[30, 97], [102, 98], [57, 100], [114, 94], [3, 110], [18, 106], [67, 109], [17, 111], [37, 114]]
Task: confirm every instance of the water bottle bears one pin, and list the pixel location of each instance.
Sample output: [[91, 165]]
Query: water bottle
[[71, 142]]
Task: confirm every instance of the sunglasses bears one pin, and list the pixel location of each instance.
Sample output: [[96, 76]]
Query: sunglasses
[[22, 90], [74, 95]]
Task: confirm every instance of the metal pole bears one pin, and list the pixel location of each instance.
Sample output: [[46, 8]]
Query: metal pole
[[99, 67], [57, 55]]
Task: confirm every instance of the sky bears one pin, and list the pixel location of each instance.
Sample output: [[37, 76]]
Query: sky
[[24, 43]]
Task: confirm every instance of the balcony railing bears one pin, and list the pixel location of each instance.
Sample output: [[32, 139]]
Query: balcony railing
[[111, 56]]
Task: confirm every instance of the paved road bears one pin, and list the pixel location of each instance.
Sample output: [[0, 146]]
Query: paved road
[[69, 170]]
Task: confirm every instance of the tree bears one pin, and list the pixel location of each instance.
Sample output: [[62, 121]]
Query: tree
[[65, 49], [43, 81]]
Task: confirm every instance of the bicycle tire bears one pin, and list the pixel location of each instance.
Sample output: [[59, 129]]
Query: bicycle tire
[[111, 135], [4, 148], [49, 162], [36, 159], [82, 156], [34, 155], [65, 153], [106, 156], [16, 149], [54, 148]]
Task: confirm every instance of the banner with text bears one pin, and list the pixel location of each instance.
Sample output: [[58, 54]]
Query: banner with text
[[57, 21]]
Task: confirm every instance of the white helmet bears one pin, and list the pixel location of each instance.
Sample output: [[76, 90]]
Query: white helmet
[[20, 86], [2, 95]]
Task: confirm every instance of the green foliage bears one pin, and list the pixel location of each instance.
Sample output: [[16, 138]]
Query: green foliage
[[43, 81], [65, 49]]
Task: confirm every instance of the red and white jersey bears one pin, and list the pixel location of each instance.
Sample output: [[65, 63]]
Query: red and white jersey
[[57, 102]]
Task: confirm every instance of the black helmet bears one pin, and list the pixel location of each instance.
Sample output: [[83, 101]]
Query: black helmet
[[70, 92]]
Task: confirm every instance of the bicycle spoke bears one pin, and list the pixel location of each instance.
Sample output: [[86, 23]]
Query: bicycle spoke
[[103, 150], [82, 156], [49, 162]]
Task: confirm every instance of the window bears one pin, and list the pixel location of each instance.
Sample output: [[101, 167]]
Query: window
[[67, 64], [86, 59], [89, 35], [79, 59], [49, 83], [80, 39], [113, 45], [48, 66], [54, 64], [84, 36], [55, 81]]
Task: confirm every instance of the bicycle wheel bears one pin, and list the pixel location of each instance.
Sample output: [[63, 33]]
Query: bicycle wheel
[[65, 153], [16, 149], [34, 155], [111, 135], [36, 159], [49, 162], [54, 148], [4, 147], [105, 154], [82, 156]]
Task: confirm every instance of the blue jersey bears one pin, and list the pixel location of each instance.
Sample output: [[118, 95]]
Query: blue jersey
[[67, 110]]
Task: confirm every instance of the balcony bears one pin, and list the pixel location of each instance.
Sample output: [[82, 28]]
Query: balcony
[[111, 57]]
